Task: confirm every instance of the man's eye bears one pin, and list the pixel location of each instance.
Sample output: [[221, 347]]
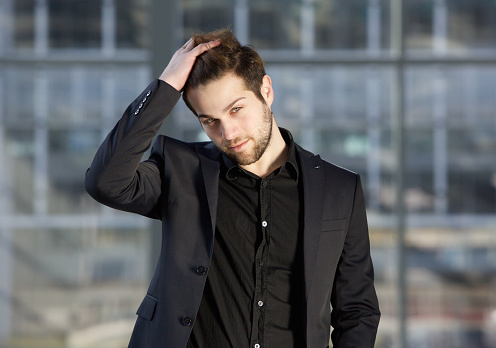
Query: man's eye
[[209, 121], [236, 109]]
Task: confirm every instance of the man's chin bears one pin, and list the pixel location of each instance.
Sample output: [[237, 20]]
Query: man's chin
[[239, 159]]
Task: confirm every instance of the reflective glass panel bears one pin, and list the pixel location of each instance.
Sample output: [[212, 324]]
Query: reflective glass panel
[[23, 23], [200, 16], [80, 20], [132, 23]]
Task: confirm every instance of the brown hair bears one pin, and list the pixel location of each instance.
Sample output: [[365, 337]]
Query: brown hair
[[229, 57]]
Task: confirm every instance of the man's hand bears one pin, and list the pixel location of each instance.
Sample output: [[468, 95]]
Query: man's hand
[[177, 71]]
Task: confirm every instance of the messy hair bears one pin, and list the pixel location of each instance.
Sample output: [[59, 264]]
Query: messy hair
[[229, 57]]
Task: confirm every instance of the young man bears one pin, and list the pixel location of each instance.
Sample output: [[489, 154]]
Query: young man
[[260, 237]]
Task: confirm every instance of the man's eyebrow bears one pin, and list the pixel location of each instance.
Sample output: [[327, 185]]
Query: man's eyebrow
[[226, 109]]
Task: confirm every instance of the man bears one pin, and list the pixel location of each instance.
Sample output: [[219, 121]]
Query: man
[[260, 237]]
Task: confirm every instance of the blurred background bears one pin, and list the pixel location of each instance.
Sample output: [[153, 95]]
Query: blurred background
[[403, 92]]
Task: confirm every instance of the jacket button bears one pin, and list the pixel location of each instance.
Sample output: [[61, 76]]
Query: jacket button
[[187, 321], [201, 270]]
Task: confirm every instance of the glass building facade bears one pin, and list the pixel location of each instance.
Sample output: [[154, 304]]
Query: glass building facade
[[402, 92]]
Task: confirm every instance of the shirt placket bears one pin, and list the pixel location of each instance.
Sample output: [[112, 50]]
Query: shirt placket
[[261, 269]]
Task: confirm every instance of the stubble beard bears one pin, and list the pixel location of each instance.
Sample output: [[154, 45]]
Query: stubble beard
[[261, 141]]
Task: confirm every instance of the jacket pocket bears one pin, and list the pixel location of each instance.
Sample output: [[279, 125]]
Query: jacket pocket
[[333, 225], [147, 307]]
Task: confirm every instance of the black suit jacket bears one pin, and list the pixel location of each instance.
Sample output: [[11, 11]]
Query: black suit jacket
[[179, 185]]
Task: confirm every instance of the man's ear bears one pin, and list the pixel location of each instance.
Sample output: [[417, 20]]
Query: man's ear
[[266, 90]]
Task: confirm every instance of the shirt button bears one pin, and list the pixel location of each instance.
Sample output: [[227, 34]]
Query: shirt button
[[201, 270], [264, 224], [256, 345], [264, 183], [260, 303], [187, 321]]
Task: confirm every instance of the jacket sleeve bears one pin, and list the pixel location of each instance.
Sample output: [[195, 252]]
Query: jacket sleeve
[[117, 177], [355, 315]]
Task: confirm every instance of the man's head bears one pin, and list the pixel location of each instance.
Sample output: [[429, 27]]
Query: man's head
[[230, 57], [231, 95], [239, 123]]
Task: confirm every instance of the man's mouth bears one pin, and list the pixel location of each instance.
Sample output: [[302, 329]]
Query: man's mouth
[[238, 146]]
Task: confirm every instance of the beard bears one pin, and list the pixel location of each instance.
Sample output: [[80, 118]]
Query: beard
[[261, 141]]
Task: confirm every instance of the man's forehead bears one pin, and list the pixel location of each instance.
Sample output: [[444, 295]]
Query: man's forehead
[[219, 92], [226, 81]]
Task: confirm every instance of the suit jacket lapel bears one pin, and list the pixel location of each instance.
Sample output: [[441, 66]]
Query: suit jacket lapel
[[210, 165], [313, 194]]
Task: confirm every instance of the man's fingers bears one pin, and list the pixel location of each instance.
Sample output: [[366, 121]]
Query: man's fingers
[[205, 47], [188, 43], [177, 71]]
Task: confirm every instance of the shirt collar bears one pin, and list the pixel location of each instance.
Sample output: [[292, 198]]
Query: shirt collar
[[291, 164]]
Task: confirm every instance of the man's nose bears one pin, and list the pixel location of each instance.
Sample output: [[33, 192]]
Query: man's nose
[[229, 131]]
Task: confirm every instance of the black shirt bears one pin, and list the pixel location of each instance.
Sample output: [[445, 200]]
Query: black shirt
[[254, 293]]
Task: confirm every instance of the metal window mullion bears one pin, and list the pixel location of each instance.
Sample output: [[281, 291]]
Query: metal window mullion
[[6, 26], [440, 148], [40, 113], [398, 143], [109, 114], [440, 27], [108, 106], [5, 233], [373, 28], [242, 21], [374, 163], [279, 57], [108, 27], [41, 22], [470, 94], [78, 77], [307, 44], [336, 95], [307, 110]]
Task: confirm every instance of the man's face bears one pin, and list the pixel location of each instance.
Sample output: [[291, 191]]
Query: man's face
[[232, 116]]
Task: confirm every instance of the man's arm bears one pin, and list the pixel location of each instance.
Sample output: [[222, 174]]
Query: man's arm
[[116, 176], [355, 315]]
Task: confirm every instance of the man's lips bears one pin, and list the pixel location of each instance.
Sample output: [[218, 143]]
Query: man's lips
[[238, 147]]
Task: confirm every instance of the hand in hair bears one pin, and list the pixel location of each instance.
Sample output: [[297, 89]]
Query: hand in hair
[[177, 71]]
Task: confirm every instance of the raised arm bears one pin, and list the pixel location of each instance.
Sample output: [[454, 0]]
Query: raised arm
[[117, 177]]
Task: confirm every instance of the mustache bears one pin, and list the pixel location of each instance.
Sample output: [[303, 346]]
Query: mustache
[[230, 143]]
